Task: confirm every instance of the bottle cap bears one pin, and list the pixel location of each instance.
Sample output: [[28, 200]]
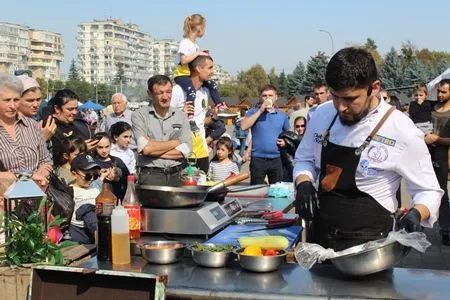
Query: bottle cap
[[190, 170], [131, 177], [119, 211]]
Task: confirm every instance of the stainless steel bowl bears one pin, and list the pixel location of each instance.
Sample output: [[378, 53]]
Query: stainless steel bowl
[[370, 261], [211, 259], [162, 252], [261, 263]]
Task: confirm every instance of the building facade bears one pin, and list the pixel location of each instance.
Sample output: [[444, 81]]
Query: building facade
[[113, 52], [24, 48], [14, 47], [47, 54], [164, 54]]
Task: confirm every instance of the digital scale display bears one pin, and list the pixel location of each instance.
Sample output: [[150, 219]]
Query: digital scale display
[[218, 213], [232, 208]]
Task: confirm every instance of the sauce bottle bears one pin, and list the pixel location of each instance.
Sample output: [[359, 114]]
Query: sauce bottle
[[133, 207], [190, 180], [104, 204], [120, 236]]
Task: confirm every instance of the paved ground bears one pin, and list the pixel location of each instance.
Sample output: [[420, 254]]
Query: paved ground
[[436, 257]]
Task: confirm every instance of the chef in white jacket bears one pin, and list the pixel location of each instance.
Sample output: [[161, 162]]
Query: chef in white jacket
[[355, 150]]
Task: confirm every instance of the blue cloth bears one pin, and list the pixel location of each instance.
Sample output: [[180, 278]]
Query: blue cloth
[[265, 133]]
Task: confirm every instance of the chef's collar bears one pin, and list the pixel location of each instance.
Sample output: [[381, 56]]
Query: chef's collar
[[374, 111]]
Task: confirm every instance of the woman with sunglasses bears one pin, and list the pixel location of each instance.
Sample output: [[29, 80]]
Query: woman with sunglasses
[[300, 126], [86, 188]]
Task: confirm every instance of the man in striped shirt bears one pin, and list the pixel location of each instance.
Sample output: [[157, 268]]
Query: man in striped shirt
[[22, 146]]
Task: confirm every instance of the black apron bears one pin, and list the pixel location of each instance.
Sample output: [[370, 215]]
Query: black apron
[[346, 216]]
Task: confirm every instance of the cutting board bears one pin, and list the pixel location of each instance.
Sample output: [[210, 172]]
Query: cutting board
[[232, 233]]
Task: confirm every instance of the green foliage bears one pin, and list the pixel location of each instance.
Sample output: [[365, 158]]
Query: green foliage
[[315, 71], [254, 79], [234, 90], [370, 44], [296, 79], [73, 71], [392, 70], [28, 243], [273, 78], [283, 85]]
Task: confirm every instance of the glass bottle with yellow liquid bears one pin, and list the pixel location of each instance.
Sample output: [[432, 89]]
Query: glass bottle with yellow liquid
[[120, 236]]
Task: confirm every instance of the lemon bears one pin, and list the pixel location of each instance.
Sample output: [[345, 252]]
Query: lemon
[[252, 250]]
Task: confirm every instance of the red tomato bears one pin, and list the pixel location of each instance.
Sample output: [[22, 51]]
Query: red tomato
[[270, 252]]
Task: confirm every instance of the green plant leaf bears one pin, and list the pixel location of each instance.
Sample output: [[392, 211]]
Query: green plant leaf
[[66, 244]]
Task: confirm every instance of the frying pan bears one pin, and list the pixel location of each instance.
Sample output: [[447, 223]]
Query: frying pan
[[174, 197]]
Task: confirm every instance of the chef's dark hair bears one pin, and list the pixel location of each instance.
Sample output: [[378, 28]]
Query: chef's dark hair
[[351, 68]]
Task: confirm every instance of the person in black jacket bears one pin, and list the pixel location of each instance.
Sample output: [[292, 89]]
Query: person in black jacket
[[291, 140], [118, 177], [64, 107]]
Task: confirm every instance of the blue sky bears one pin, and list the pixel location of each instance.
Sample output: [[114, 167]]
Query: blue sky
[[242, 33]]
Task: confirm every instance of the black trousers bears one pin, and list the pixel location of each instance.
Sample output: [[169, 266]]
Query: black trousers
[[155, 176], [260, 167], [440, 164]]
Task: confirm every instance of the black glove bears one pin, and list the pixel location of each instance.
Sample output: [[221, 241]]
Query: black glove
[[410, 221], [306, 200]]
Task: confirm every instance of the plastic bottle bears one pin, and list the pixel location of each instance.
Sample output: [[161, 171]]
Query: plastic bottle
[[120, 236], [190, 180], [133, 206], [104, 204]]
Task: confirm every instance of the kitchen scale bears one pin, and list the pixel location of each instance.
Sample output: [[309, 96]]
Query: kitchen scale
[[205, 219]]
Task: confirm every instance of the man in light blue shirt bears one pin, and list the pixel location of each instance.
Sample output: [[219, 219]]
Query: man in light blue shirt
[[266, 123]]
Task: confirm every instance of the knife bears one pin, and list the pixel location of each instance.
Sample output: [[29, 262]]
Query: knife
[[271, 226]]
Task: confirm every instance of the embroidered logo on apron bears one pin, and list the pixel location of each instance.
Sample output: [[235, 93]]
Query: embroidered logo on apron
[[378, 153]]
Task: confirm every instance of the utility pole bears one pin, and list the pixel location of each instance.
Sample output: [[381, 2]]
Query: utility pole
[[331, 38]]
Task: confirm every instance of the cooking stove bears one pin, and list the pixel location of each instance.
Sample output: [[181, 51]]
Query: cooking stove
[[205, 219]]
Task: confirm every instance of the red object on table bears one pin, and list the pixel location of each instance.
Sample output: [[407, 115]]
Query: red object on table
[[272, 215]]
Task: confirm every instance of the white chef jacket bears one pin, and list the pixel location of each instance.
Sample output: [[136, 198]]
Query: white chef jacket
[[397, 150]]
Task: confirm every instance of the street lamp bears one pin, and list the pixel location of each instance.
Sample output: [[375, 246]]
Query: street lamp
[[331, 38]]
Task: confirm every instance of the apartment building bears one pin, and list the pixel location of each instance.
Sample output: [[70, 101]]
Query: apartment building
[[47, 53], [24, 48], [221, 75], [111, 51], [14, 47], [164, 53]]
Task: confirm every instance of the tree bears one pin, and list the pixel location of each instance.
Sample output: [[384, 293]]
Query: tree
[[315, 71], [254, 79], [73, 71], [416, 72], [295, 80], [273, 78], [392, 71], [370, 44], [283, 87]]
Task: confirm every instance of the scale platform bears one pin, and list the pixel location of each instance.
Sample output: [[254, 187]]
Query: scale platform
[[205, 219]]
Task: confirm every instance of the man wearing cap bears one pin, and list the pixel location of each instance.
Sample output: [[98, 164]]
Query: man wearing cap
[[163, 136], [30, 102], [86, 188]]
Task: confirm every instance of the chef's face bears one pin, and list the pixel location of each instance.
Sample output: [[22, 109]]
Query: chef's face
[[353, 104], [443, 93]]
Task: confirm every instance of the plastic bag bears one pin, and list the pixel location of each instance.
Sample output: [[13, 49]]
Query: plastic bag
[[281, 190], [308, 254], [61, 196]]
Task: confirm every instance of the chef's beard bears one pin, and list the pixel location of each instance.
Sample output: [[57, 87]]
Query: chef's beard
[[356, 117]]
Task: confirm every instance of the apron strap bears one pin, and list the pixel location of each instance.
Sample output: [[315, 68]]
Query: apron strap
[[361, 148], [327, 132]]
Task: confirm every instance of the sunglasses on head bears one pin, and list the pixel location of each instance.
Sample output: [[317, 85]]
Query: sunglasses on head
[[299, 126], [89, 176]]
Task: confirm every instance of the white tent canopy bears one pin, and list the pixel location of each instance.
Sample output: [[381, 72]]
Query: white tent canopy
[[432, 85]]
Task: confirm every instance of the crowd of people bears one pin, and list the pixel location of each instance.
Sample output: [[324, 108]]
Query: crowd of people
[[348, 154]]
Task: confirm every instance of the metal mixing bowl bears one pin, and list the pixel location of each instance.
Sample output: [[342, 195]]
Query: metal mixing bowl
[[261, 263], [162, 252], [211, 259], [370, 261]]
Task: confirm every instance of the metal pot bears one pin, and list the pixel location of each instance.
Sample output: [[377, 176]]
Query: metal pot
[[173, 197], [370, 261]]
